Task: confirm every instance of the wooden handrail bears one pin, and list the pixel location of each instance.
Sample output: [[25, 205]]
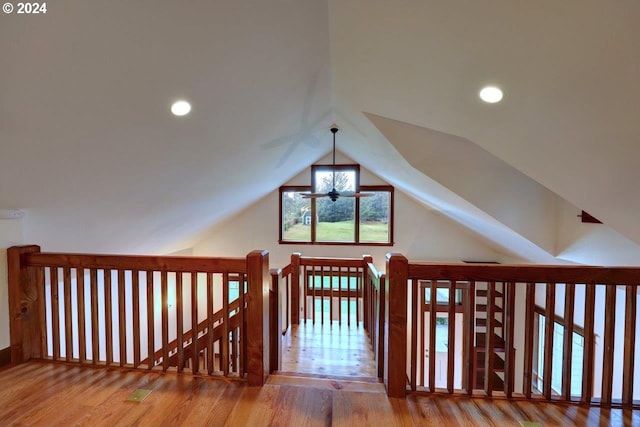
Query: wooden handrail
[[525, 273], [137, 262]]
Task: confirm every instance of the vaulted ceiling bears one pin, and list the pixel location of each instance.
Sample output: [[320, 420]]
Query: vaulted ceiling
[[90, 150]]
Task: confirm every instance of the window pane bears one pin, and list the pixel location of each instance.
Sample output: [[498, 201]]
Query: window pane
[[374, 217], [335, 220], [345, 180], [296, 217]]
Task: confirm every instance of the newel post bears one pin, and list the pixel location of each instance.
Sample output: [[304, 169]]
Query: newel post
[[24, 306], [257, 334], [395, 328], [295, 288]]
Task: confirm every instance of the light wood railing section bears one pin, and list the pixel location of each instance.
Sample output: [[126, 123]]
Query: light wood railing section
[[328, 289], [374, 291], [190, 314], [557, 333], [316, 289]]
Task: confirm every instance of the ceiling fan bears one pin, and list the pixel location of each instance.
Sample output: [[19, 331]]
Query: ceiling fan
[[334, 194]]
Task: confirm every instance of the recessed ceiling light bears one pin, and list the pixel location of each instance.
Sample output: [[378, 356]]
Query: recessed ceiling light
[[180, 108], [491, 94]]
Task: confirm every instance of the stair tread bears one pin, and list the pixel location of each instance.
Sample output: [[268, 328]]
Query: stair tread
[[483, 307], [481, 321], [498, 342], [498, 361], [484, 293], [498, 383]]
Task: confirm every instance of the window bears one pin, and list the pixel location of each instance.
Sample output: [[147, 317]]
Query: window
[[347, 220], [557, 355]]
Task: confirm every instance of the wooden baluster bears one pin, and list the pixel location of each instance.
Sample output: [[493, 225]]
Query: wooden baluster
[[358, 296], [509, 317], [322, 295], [349, 297], [180, 321], [340, 296], [150, 322], [381, 322], [549, 315], [38, 325], [55, 312], [421, 340], [95, 341], [470, 330], [122, 320], [195, 351], [68, 321], [243, 323], [451, 337], [224, 351], [210, 325], [528, 339], [164, 298], [305, 286], [432, 335], [108, 314], [569, 308], [295, 290], [629, 345], [609, 343], [331, 281], [414, 333], [82, 333], [135, 302], [489, 357], [589, 344]]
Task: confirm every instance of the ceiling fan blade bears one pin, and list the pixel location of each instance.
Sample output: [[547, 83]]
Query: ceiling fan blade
[[356, 194], [314, 195]]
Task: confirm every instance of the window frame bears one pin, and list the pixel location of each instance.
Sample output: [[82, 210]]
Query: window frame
[[358, 188]]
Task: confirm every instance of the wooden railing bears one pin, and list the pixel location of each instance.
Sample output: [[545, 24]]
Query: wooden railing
[[143, 312], [342, 290], [374, 291], [558, 333], [336, 283]]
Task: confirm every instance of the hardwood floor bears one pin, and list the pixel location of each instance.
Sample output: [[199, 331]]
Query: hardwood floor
[[328, 379], [50, 394], [328, 349]]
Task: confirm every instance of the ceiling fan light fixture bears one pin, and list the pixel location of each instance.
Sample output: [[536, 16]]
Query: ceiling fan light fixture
[[333, 194]]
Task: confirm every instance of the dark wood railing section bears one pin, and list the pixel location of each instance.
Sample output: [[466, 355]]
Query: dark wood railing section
[[533, 332], [193, 314]]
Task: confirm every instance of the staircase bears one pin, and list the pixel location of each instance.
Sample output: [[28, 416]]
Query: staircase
[[489, 324]]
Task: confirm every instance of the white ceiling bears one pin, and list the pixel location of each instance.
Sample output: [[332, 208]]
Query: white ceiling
[[89, 149]]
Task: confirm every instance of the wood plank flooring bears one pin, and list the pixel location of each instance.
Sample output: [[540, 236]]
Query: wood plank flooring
[[51, 394], [328, 349]]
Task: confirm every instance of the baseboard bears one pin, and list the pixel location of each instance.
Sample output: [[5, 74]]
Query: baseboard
[[5, 357]]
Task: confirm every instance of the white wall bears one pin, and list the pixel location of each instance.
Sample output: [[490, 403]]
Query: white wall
[[10, 235], [419, 233], [592, 244]]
